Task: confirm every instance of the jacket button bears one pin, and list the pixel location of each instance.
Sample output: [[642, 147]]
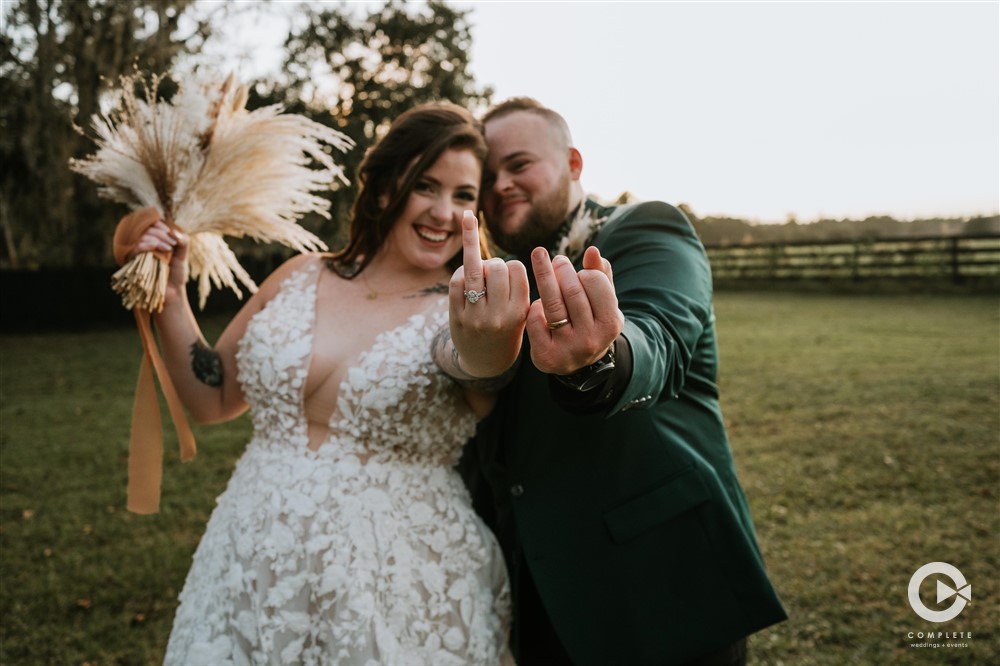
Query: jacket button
[[517, 490]]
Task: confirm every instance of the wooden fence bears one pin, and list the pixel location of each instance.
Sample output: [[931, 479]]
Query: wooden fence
[[956, 259]]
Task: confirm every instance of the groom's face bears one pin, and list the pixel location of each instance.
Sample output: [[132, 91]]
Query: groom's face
[[527, 190]]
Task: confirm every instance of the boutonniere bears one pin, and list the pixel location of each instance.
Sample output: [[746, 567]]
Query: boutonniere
[[581, 230]]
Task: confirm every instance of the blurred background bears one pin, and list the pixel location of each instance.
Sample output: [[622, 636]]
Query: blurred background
[[766, 122], [840, 161]]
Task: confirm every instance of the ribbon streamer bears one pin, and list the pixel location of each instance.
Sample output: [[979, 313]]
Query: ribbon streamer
[[145, 457]]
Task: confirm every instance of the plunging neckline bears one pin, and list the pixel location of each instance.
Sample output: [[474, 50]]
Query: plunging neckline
[[357, 363]]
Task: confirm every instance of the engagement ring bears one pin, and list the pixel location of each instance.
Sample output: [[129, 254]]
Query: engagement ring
[[474, 296], [553, 325]]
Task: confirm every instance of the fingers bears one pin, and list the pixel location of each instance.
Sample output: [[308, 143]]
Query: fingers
[[592, 260], [598, 281], [537, 325], [157, 237], [456, 293], [487, 334], [549, 292], [574, 295], [520, 290], [496, 280], [504, 282], [585, 298], [601, 297], [181, 248], [561, 291], [472, 260]]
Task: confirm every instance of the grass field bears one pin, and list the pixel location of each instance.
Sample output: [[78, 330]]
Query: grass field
[[865, 430]]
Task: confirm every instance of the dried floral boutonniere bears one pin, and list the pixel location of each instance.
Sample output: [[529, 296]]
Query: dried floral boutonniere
[[581, 230]]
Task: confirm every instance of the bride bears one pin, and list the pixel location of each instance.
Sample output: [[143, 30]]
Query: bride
[[345, 536]]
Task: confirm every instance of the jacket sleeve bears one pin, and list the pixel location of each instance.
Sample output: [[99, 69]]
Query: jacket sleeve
[[664, 288]]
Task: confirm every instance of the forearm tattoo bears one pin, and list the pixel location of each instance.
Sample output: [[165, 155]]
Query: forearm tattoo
[[206, 364], [445, 355]]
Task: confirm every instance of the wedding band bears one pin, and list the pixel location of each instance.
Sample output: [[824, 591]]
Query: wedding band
[[553, 325], [474, 296]]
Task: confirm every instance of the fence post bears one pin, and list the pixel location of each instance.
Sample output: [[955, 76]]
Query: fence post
[[956, 269], [772, 261]]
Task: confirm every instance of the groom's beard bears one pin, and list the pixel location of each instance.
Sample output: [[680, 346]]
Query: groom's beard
[[545, 217]]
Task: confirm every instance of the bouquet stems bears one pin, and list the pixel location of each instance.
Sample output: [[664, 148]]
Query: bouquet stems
[[142, 282]]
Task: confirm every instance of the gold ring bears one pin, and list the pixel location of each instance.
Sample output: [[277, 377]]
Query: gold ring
[[553, 325]]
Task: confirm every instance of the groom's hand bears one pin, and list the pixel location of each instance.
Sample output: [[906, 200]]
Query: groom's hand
[[576, 318], [488, 305]]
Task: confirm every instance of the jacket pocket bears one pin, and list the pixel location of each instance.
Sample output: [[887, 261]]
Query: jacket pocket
[[681, 492]]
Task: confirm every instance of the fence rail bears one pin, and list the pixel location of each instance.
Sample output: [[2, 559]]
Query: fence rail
[[954, 258]]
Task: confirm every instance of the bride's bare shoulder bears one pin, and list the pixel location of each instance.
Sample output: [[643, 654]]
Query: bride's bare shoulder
[[272, 284]]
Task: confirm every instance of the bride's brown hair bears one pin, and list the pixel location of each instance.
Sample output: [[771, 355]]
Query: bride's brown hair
[[390, 169]]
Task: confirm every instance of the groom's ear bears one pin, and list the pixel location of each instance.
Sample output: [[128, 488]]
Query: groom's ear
[[575, 163]]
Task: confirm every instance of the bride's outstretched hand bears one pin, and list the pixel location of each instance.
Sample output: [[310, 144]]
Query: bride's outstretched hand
[[488, 305]]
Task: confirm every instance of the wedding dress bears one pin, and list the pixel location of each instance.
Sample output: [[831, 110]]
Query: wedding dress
[[315, 557]]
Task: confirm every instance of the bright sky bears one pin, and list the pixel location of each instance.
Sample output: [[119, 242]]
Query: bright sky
[[762, 109]]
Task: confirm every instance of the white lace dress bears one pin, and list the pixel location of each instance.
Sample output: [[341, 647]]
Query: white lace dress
[[313, 557]]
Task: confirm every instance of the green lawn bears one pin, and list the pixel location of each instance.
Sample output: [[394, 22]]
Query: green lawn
[[865, 430]]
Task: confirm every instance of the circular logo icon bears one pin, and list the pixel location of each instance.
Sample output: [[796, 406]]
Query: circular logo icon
[[960, 589]]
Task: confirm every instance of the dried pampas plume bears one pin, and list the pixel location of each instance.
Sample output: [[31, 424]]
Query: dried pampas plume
[[214, 169]]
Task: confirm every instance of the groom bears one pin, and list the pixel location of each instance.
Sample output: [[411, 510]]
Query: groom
[[628, 537]]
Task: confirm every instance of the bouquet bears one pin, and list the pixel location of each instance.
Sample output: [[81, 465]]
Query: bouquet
[[212, 169]]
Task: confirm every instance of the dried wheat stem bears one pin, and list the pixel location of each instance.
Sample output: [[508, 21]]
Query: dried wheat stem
[[142, 282]]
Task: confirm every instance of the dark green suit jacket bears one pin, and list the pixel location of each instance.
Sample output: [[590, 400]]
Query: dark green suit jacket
[[632, 521]]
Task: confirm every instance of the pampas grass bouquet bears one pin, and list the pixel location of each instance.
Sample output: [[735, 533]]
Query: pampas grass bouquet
[[212, 169]]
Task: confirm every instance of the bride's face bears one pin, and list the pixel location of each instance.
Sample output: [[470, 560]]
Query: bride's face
[[429, 230]]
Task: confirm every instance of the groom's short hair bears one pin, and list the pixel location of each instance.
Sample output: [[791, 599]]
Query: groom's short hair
[[531, 105]]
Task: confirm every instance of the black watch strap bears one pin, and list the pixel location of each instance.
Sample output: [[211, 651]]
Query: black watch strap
[[593, 375]]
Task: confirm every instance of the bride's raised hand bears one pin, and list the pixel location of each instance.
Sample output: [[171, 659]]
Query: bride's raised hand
[[164, 241], [488, 307]]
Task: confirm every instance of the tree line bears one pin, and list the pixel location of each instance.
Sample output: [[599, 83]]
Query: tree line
[[727, 231], [60, 58]]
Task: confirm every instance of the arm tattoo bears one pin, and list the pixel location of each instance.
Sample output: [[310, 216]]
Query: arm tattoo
[[445, 355], [206, 364]]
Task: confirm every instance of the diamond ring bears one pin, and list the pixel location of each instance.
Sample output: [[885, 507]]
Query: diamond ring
[[474, 296]]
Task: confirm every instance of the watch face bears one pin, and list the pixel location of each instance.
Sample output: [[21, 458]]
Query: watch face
[[597, 376], [589, 377]]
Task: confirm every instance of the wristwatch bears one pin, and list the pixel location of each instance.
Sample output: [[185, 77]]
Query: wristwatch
[[593, 375]]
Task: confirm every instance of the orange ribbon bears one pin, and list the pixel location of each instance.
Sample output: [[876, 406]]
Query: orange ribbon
[[145, 454]]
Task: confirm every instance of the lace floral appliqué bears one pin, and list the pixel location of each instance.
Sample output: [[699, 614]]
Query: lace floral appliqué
[[315, 557]]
